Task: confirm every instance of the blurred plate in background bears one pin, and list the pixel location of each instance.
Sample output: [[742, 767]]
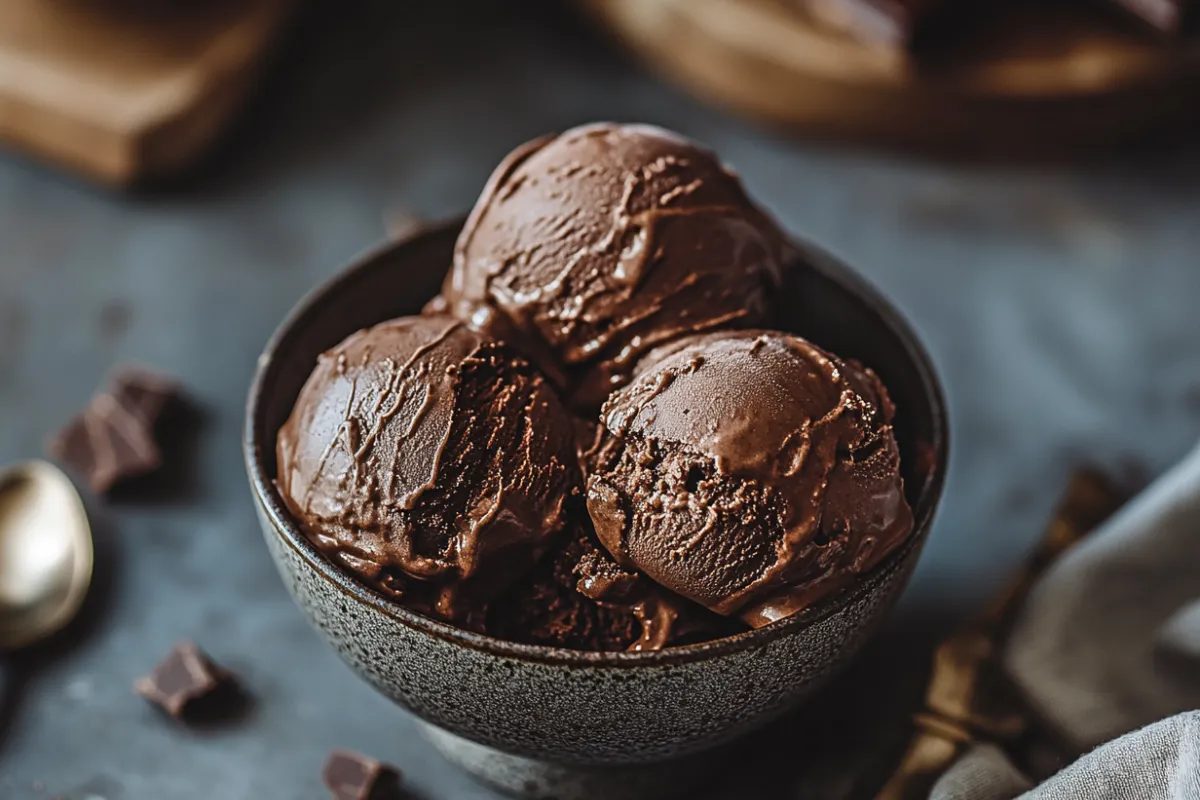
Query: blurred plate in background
[[1032, 80]]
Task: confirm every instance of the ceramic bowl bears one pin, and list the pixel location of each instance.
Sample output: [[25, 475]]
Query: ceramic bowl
[[545, 722]]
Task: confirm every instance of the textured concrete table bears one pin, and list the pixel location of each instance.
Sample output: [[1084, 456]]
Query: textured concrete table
[[1060, 304]]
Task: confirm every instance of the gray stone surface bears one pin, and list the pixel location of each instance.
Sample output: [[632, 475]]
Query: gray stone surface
[[1059, 303]]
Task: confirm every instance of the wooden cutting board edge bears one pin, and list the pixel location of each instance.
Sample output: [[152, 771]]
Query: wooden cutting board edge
[[165, 134]]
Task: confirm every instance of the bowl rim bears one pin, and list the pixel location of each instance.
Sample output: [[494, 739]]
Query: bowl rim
[[284, 526]]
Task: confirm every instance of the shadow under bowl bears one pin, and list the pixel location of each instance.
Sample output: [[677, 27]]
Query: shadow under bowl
[[549, 722]]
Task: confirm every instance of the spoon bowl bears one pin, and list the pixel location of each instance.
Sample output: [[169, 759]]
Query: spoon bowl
[[46, 553]]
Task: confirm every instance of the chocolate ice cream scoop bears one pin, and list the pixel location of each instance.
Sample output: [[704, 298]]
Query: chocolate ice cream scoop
[[580, 599], [431, 461], [589, 248], [751, 472], [665, 619], [547, 608]]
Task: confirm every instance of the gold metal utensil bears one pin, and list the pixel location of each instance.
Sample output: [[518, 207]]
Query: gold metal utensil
[[46, 553]]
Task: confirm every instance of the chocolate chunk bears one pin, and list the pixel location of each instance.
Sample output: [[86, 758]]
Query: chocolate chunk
[[115, 436], [353, 776], [184, 676]]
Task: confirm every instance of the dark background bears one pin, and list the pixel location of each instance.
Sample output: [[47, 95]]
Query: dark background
[[1059, 302]]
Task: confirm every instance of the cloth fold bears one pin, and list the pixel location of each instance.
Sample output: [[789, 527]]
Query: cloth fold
[[1107, 642], [1085, 650], [1159, 762], [983, 773]]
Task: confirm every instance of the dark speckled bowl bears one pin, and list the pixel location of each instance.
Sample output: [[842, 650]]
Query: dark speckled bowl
[[557, 723]]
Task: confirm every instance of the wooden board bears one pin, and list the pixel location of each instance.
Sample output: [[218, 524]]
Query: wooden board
[[1036, 80], [123, 90]]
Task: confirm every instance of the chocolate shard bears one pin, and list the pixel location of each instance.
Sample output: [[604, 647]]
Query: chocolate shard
[[183, 677], [115, 436], [353, 776], [144, 392]]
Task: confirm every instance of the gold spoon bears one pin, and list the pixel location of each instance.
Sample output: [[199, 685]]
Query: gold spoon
[[45, 553]]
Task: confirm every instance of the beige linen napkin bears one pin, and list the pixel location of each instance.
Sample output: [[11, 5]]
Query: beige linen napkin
[[1108, 642]]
